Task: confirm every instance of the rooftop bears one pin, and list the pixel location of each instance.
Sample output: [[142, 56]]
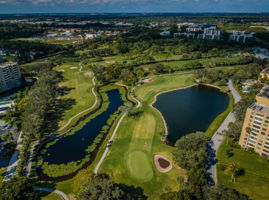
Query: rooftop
[[259, 108], [2, 65], [264, 92], [266, 70]]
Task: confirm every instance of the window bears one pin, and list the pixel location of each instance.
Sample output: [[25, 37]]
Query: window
[[264, 129], [259, 115], [263, 133], [265, 151], [258, 127], [254, 130], [255, 122], [257, 118]]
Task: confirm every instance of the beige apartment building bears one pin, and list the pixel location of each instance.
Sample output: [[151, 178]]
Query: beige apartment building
[[265, 73], [255, 131], [10, 76]]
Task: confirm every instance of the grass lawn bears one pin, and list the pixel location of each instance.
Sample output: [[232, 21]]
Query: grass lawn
[[50, 196], [255, 180], [80, 90], [130, 160]]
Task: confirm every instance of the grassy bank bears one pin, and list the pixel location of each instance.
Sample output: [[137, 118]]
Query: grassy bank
[[53, 170], [255, 178], [220, 118], [79, 90]]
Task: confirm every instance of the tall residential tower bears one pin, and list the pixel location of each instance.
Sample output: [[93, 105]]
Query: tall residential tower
[[255, 131], [10, 76]]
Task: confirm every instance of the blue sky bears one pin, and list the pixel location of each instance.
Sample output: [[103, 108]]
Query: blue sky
[[110, 6]]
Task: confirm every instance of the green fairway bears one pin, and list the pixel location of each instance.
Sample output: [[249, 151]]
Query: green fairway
[[80, 90], [255, 179], [139, 138]]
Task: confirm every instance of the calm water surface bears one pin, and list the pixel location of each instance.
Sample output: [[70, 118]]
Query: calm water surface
[[73, 147], [190, 110]]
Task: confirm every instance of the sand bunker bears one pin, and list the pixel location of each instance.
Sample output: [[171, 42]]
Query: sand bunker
[[73, 67], [147, 80], [88, 74], [162, 164], [110, 62], [60, 70]]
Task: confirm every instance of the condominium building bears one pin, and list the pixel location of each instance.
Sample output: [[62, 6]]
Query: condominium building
[[210, 34], [255, 131], [265, 73], [240, 36], [10, 76]]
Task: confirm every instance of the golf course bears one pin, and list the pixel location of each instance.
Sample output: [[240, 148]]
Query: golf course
[[140, 137]]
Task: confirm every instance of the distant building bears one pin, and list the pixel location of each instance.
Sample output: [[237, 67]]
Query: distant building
[[265, 73], [5, 106], [185, 24], [165, 33], [247, 84], [10, 76], [195, 28], [255, 131], [211, 33], [240, 36], [187, 35], [91, 36]]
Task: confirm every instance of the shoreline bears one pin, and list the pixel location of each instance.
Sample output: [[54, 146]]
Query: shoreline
[[211, 85], [171, 90], [161, 115]]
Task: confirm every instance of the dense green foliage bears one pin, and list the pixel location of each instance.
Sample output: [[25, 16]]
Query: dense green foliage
[[191, 154], [39, 117], [101, 188], [16, 188]]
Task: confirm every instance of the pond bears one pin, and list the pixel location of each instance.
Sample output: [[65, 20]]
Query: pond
[[190, 110], [73, 147]]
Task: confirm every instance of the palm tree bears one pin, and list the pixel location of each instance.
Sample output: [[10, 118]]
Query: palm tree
[[234, 172]]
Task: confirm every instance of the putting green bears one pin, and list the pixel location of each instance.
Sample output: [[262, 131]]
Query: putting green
[[138, 166]]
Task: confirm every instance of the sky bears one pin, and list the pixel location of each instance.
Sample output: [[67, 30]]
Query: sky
[[141, 6]]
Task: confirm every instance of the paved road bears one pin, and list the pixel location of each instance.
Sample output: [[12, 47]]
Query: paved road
[[132, 95], [217, 139], [60, 193], [107, 148], [80, 67], [13, 162], [88, 109], [29, 165]]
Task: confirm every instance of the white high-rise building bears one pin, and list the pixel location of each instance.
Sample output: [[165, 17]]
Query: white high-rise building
[[10, 76]]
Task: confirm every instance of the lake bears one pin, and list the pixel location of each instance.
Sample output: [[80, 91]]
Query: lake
[[190, 110], [73, 147]]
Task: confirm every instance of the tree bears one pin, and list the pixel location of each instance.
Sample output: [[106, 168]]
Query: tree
[[192, 151], [16, 188], [101, 188], [234, 172], [222, 193]]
